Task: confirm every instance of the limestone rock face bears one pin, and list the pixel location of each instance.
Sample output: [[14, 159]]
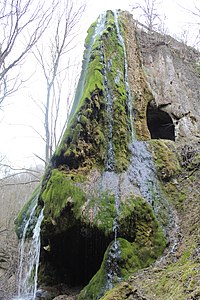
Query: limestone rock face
[[173, 79], [110, 191]]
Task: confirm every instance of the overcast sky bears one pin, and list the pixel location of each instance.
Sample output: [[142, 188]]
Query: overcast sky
[[20, 142]]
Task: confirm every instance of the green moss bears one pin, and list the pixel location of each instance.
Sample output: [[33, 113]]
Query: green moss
[[176, 281], [121, 291], [95, 286], [90, 33], [62, 194], [85, 141], [179, 280], [114, 59], [166, 160], [101, 211], [142, 228], [146, 243]]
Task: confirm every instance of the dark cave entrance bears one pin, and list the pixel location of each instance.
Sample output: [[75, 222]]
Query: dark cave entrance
[[75, 256], [160, 123]]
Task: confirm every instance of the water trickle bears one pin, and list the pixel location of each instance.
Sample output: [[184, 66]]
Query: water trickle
[[111, 182], [110, 161], [127, 87], [142, 173], [112, 264], [29, 260]]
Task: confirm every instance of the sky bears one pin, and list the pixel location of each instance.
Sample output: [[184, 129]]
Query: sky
[[19, 117]]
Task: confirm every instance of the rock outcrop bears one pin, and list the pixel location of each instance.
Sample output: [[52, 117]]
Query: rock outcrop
[[112, 194]]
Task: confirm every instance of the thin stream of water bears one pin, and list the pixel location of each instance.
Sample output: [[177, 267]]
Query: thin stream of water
[[128, 91], [22, 251], [29, 260], [110, 160], [142, 172]]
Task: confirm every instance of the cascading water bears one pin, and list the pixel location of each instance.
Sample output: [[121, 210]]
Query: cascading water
[[109, 108], [111, 182], [114, 253], [142, 172], [127, 87], [29, 259]]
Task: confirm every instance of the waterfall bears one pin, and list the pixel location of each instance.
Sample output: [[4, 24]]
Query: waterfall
[[127, 87], [114, 255], [112, 181], [114, 252], [29, 259], [142, 173], [113, 272], [142, 170]]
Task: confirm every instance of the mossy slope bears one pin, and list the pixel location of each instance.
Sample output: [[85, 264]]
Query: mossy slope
[[146, 243], [85, 141]]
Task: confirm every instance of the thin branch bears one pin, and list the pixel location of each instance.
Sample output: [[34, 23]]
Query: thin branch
[[17, 169], [20, 183], [39, 157]]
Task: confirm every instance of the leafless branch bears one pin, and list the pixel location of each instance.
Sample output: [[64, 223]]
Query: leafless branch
[[22, 25], [60, 44], [21, 169], [20, 183], [149, 11]]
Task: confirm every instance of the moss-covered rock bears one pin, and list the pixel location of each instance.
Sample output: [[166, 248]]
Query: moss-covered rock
[[123, 291], [85, 142], [62, 196], [166, 159], [144, 243]]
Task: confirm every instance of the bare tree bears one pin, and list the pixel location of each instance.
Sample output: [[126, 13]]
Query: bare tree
[[56, 64], [22, 24], [191, 33], [149, 11]]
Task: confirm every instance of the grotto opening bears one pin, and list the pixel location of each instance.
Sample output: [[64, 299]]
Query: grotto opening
[[160, 123]]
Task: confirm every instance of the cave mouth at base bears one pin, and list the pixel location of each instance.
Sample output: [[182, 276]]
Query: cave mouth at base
[[160, 123], [75, 256]]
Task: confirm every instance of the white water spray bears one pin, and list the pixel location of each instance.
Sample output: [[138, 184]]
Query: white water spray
[[110, 161], [142, 173], [29, 260]]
